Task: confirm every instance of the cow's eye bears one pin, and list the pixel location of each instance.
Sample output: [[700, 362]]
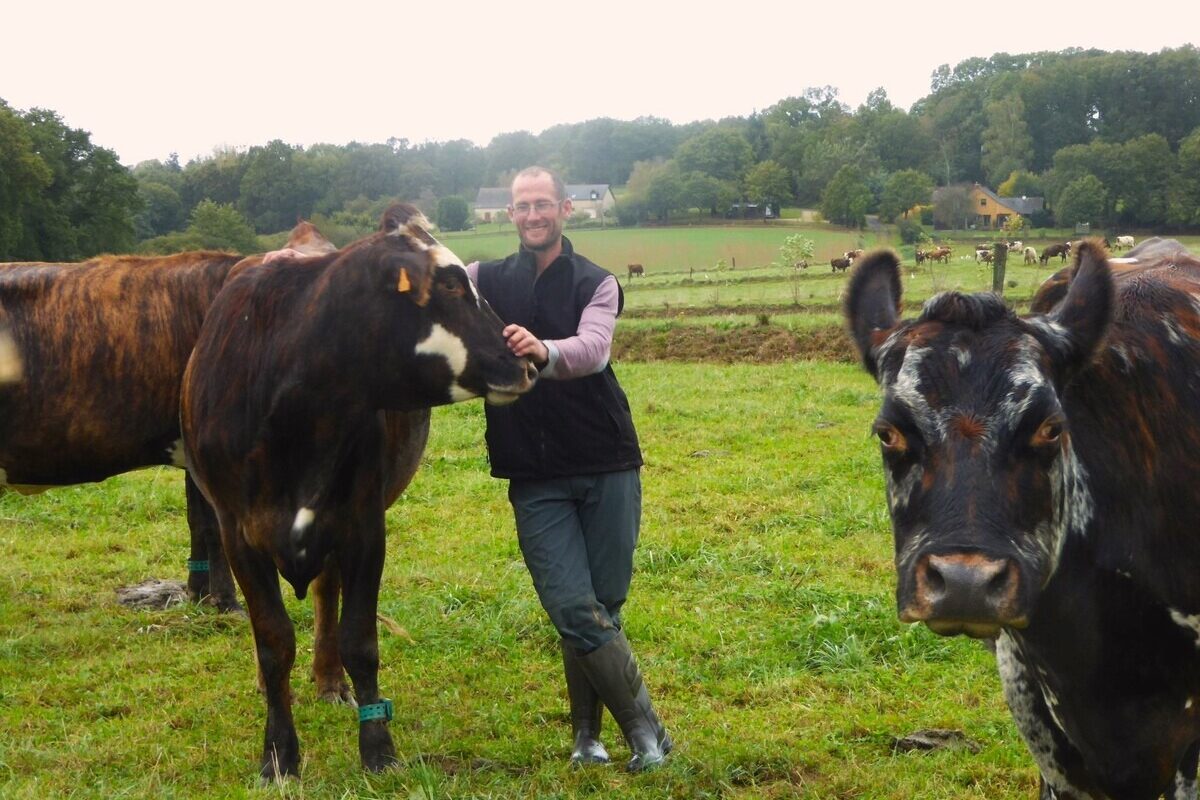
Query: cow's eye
[[890, 437], [452, 287], [1049, 433]]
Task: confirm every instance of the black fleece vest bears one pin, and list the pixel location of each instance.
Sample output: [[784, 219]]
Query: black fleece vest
[[561, 428]]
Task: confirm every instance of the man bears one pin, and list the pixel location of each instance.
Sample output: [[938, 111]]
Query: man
[[571, 455]]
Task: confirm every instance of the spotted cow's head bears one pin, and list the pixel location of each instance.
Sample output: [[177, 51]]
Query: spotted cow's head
[[982, 481], [448, 342]]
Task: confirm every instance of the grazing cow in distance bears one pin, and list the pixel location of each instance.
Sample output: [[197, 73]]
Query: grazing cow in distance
[[1123, 243], [1039, 478], [1031, 255], [983, 254], [1060, 250], [853, 254], [801, 264], [839, 264], [940, 253], [102, 346], [920, 256], [636, 269], [305, 411]]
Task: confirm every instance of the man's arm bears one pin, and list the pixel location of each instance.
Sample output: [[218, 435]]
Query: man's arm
[[588, 351]]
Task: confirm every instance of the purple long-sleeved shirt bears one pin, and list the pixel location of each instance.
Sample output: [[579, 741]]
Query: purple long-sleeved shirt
[[588, 351]]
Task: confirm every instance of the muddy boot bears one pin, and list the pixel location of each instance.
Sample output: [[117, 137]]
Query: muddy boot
[[586, 709], [615, 675]]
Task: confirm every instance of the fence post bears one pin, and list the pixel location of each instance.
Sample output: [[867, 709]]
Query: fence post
[[999, 261]]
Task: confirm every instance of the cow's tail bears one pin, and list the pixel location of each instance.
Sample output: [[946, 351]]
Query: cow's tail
[[11, 367]]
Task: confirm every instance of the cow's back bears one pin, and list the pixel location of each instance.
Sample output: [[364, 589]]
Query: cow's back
[[103, 345]]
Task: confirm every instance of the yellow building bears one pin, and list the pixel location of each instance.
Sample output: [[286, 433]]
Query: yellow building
[[991, 210]]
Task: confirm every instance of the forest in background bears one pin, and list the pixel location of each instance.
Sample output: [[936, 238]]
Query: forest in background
[[1108, 138]]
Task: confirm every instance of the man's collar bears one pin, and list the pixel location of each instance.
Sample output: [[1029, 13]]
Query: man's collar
[[527, 256]]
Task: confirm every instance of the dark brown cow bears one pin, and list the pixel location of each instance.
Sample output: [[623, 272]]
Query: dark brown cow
[[636, 269], [1061, 250], [839, 264], [305, 413], [102, 346], [1041, 482]]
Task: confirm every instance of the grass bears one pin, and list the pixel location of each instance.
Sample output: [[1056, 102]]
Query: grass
[[761, 611]]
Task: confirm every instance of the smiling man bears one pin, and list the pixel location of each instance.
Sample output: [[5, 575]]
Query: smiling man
[[570, 453]]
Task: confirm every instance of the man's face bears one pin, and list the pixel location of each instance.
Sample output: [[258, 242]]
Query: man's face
[[537, 212]]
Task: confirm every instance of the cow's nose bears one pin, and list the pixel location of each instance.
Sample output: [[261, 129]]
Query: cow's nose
[[966, 588], [531, 372]]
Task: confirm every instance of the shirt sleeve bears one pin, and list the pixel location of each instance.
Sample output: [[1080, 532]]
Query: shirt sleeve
[[473, 273], [588, 351]]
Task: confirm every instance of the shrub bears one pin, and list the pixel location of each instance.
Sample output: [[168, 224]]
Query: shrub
[[910, 231]]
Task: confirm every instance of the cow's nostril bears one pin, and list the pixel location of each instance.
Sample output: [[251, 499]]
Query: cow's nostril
[[1003, 581], [935, 582]]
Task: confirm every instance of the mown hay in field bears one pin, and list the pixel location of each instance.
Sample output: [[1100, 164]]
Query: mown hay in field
[[761, 344], [153, 593]]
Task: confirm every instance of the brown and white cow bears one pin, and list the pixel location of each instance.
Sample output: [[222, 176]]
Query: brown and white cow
[[1041, 481], [101, 347], [305, 412]]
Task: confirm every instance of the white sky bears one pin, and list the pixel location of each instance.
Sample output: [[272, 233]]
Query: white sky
[[149, 78]]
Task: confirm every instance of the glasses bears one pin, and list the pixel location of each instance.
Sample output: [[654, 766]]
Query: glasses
[[541, 207]]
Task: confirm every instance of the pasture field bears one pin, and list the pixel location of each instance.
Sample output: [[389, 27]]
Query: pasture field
[[671, 249], [761, 610]]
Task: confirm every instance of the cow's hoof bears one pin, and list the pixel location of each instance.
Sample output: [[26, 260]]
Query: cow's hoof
[[375, 747], [338, 694], [226, 605]]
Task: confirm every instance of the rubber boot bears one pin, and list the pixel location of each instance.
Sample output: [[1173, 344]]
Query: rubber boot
[[614, 673], [586, 709]]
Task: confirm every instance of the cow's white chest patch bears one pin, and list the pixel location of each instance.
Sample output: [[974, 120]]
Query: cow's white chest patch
[[1189, 621], [304, 518]]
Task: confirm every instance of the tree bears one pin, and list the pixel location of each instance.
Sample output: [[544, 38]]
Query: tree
[[453, 214], [706, 192], [1185, 193], [23, 178], [768, 182], [1007, 145], [1021, 183], [273, 193], [722, 153], [903, 190], [952, 207], [1084, 200], [796, 248], [220, 227], [847, 198]]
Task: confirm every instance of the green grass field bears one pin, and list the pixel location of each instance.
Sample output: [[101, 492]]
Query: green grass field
[[761, 610]]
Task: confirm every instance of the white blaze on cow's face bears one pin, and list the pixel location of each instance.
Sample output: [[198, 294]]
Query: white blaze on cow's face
[[441, 342]]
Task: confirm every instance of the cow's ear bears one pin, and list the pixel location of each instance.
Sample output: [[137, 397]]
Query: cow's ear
[[410, 274], [872, 305], [1081, 320]]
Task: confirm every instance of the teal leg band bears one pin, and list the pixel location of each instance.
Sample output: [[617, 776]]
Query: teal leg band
[[376, 711], [197, 566]]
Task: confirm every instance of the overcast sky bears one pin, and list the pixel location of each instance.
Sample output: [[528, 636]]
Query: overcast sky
[[150, 78]]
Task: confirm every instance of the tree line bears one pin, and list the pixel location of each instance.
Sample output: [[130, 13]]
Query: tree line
[[1108, 138]]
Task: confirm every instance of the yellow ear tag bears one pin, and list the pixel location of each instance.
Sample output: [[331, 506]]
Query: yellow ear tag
[[404, 285]]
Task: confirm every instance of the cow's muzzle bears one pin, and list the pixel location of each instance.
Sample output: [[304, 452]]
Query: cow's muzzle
[[503, 395], [966, 593]]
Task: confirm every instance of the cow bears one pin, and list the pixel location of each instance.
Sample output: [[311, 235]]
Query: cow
[[1039, 475], [636, 269], [940, 253], [983, 253], [305, 411], [1031, 255], [1123, 242], [853, 254], [920, 256], [102, 346], [837, 264], [1050, 251], [801, 264]]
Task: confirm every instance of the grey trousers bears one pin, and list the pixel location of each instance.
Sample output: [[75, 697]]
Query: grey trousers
[[577, 536]]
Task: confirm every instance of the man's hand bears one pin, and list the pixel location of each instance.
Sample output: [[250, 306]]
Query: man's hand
[[523, 343], [286, 252]]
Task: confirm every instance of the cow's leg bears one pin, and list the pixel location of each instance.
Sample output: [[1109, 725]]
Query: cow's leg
[[361, 560], [327, 670], [209, 578], [275, 649]]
